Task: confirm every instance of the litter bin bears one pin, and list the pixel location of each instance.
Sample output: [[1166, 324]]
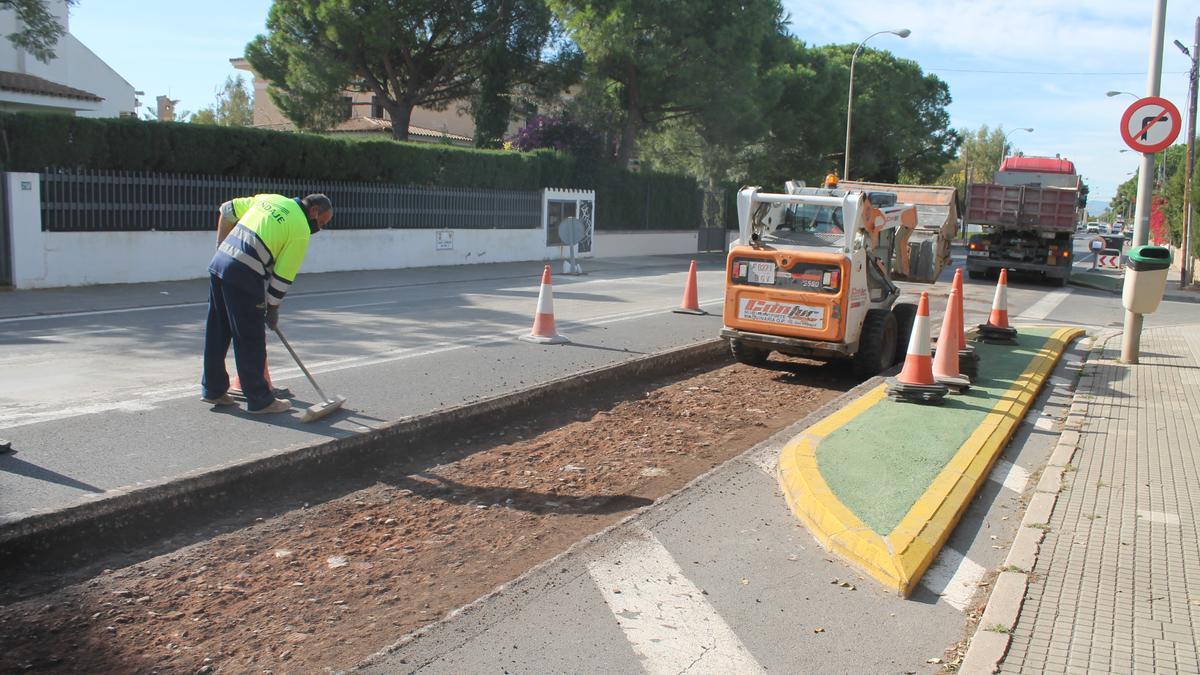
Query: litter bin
[[1145, 278]]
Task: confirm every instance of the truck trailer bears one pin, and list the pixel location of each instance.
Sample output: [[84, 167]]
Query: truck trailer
[[1029, 213]]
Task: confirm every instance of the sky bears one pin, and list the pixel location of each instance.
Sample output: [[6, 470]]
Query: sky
[[1010, 63]]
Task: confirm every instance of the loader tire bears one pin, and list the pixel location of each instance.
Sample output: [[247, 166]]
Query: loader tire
[[747, 355], [876, 345], [906, 315]]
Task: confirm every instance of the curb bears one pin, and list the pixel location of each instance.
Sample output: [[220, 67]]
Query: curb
[[989, 644], [128, 517], [899, 559]]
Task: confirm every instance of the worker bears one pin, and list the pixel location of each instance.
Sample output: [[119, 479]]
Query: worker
[[831, 180], [254, 266]]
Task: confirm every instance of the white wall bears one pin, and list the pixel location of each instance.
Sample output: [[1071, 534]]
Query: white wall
[[54, 259], [619, 244]]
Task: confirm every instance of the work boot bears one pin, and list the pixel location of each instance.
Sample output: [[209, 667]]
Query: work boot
[[277, 406], [223, 399]]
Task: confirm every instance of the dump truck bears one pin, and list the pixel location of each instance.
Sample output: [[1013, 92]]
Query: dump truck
[[923, 251], [1029, 212], [810, 276]]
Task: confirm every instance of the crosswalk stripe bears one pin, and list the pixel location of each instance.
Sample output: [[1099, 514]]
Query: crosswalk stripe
[[954, 577], [666, 618], [1045, 306], [1010, 475]]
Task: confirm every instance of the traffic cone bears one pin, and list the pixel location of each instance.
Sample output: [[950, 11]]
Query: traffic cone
[[543, 321], [690, 304], [968, 358], [945, 360], [997, 330], [235, 386], [915, 383]]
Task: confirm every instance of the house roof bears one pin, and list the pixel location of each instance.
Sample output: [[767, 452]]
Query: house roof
[[28, 84], [376, 124]]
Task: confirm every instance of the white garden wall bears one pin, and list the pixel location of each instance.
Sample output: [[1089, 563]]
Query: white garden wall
[[53, 259]]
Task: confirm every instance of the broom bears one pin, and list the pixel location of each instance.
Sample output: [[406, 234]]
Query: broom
[[327, 405]]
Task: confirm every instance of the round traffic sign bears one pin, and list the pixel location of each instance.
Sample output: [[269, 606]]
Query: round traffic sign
[[1097, 244], [1150, 124], [571, 231]]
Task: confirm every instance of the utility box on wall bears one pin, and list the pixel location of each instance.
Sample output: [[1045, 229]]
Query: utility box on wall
[[558, 205]]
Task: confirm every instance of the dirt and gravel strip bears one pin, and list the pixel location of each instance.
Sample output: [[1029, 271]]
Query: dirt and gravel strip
[[324, 586]]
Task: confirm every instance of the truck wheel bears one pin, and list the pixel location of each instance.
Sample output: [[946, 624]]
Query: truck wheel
[[876, 345], [745, 354], [906, 314], [977, 274]]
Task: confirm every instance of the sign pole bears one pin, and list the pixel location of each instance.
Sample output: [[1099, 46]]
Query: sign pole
[[1185, 275], [1131, 341]]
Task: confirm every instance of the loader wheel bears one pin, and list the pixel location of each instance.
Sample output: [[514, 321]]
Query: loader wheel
[[906, 314], [877, 344], [745, 354]]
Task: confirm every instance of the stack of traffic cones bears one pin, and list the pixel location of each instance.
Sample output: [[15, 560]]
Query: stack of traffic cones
[[544, 331], [690, 304], [945, 362], [968, 358], [915, 382], [997, 330]]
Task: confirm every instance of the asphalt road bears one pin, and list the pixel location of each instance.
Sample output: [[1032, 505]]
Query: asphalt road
[[99, 386]]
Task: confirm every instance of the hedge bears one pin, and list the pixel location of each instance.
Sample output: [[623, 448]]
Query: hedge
[[47, 141]]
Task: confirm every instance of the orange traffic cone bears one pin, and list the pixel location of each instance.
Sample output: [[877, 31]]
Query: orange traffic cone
[[915, 382], [997, 329], [945, 361], [544, 331], [968, 358], [690, 304], [235, 385]]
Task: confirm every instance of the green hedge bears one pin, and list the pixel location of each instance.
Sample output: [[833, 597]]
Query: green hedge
[[38, 141]]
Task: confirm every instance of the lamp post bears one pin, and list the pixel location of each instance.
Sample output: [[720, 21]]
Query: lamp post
[[901, 32], [1185, 272], [1110, 94], [1009, 133]]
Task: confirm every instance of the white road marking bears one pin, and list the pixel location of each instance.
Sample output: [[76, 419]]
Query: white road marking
[[367, 304], [666, 618], [1046, 305], [11, 417], [1045, 424], [954, 577], [1159, 517], [1011, 476]]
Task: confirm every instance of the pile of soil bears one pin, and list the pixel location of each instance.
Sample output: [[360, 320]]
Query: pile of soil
[[325, 586]]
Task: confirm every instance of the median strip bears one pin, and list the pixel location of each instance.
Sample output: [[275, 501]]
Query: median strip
[[883, 483]]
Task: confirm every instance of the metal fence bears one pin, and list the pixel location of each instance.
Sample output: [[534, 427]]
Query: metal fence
[[108, 201]]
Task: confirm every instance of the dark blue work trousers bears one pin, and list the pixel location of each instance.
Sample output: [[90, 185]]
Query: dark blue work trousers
[[235, 314]]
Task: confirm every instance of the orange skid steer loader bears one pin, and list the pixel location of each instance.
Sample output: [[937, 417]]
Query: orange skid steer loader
[[810, 277]]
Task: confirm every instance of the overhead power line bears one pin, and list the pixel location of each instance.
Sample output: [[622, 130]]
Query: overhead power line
[[1045, 72]]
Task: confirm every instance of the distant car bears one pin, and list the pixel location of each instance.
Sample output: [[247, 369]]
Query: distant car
[[1093, 228]]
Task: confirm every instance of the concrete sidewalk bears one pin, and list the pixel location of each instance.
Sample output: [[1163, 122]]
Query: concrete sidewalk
[[1116, 585]]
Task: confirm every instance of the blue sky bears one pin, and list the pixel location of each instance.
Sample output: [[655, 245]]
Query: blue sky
[[1010, 63]]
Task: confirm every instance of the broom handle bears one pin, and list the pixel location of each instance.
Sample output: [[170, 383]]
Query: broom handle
[[296, 358]]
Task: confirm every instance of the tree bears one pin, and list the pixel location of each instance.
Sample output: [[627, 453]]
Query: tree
[[978, 159], [40, 28], [415, 53], [661, 60], [234, 106]]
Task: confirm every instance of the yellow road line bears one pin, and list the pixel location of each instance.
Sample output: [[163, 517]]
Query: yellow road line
[[899, 559]]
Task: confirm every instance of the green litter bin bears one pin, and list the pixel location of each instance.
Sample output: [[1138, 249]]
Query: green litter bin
[[1145, 278]]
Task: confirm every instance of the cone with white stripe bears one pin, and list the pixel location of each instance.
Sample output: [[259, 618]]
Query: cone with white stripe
[[544, 331], [945, 360], [915, 382], [968, 358], [997, 330]]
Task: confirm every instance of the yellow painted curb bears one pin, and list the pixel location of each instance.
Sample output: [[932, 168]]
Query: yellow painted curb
[[899, 559]]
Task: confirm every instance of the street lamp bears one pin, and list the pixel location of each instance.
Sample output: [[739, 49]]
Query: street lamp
[[1003, 150], [1111, 94], [901, 32]]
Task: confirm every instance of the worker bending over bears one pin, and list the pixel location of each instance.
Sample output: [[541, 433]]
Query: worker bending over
[[254, 266]]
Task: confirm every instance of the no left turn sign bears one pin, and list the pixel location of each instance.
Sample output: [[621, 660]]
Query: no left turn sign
[[1150, 124]]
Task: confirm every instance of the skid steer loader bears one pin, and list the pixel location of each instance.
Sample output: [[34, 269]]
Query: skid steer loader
[[809, 277]]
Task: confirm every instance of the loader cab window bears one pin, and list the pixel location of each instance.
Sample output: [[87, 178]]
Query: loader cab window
[[814, 219]]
